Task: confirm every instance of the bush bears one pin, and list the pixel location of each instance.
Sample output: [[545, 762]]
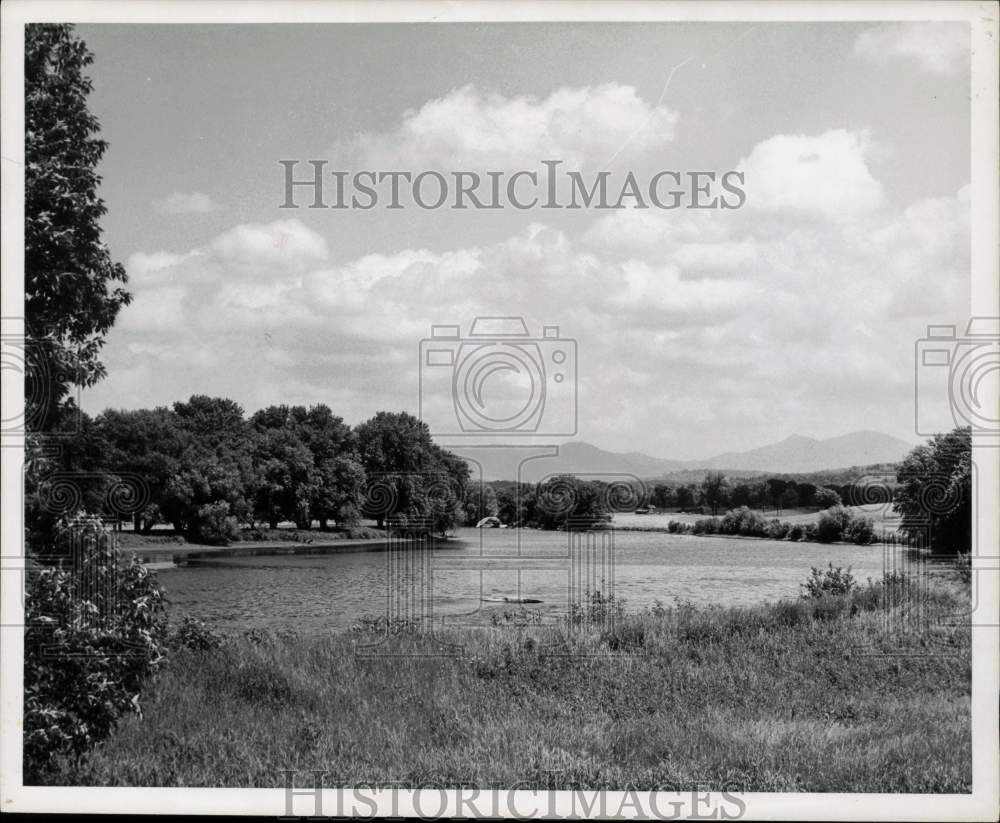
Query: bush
[[743, 521], [706, 525], [95, 632], [809, 533], [832, 523], [860, 531], [777, 529], [215, 525], [194, 634], [675, 527], [832, 581], [796, 532]]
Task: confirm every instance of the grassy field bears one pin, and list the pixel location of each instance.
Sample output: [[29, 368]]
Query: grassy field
[[882, 518], [792, 696]]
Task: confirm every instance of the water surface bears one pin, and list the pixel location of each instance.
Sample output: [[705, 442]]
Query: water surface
[[320, 593]]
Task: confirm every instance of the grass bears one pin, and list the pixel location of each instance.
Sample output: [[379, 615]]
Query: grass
[[780, 697], [164, 539], [658, 521]]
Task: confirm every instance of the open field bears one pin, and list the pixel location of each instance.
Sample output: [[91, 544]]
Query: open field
[[793, 696], [882, 518]]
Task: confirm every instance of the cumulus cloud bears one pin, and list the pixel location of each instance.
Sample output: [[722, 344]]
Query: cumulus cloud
[[726, 322], [472, 128], [937, 47], [179, 202], [825, 176]]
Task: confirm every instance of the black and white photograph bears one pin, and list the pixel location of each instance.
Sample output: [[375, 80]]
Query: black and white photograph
[[558, 411]]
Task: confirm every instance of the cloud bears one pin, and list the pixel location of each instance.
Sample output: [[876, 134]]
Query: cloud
[[474, 129], [940, 47], [824, 176], [179, 202], [695, 328]]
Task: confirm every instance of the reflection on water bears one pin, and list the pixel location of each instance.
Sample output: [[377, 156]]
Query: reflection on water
[[320, 593]]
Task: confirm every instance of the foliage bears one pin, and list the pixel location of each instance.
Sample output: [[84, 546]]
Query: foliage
[[567, 501], [714, 489], [73, 290], [422, 486], [745, 522], [95, 632], [480, 501], [778, 529], [830, 581], [934, 495], [831, 524], [826, 498], [194, 634], [860, 530], [776, 697]]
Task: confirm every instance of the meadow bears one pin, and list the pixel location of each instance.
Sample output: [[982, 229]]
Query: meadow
[[860, 691]]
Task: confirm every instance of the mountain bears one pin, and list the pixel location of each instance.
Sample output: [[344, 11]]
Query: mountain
[[795, 454], [805, 454]]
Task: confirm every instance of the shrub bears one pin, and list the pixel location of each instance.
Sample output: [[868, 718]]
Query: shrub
[[675, 526], [706, 525], [831, 581], [598, 608], [95, 632], [809, 533], [215, 525], [743, 521], [796, 532], [860, 531], [826, 498], [194, 634], [777, 529], [625, 636], [831, 524], [362, 533]]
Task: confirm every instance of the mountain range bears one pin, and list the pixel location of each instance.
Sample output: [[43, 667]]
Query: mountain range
[[793, 455]]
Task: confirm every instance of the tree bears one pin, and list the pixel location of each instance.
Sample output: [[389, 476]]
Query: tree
[[395, 442], [713, 490], [832, 524], [73, 290], [568, 502], [685, 498], [285, 478], [148, 443], [422, 482], [807, 495], [775, 488], [306, 466], [826, 497], [934, 495], [663, 496], [340, 491], [480, 501], [789, 498]]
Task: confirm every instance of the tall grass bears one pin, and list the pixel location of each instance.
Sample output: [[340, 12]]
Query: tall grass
[[806, 695]]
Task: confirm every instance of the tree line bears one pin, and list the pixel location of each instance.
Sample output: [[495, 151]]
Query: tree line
[[205, 468]]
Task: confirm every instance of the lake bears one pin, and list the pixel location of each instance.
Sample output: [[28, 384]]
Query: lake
[[450, 580]]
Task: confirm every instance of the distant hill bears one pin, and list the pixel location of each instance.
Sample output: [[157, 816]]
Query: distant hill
[[805, 454], [793, 455]]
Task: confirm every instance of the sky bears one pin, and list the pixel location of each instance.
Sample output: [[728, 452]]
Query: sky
[[696, 331]]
